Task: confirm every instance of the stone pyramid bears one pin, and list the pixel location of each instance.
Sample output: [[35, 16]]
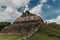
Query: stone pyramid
[[26, 24]]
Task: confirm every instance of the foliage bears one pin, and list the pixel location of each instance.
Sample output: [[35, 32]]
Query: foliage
[[3, 24], [7, 37]]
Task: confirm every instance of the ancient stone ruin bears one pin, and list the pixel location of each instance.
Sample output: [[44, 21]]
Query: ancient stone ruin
[[26, 25]]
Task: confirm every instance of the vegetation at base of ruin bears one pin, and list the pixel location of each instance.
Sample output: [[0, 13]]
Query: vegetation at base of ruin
[[49, 31], [42, 36], [9, 37], [52, 29], [3, 24]]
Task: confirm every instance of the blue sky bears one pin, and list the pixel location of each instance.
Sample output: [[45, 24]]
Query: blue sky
[[48, 11]]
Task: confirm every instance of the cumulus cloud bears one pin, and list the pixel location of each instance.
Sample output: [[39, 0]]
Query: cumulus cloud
[[11, 13], [56, 20], [14, 3], [37, 9], [1, 9], [43, 1], [26, 8]]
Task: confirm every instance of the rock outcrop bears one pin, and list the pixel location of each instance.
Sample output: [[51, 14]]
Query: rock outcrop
[[26, 24]]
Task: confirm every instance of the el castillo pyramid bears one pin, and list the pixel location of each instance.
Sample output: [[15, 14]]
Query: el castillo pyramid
[[26, 24]]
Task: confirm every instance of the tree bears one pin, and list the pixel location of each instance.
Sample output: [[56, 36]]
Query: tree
[[3, 24]]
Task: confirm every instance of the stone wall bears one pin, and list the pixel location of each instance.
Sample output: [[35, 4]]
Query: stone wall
[[28, 18]]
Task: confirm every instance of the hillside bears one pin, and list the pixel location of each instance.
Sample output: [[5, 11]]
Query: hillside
[[47, 32], [30, 27], [42, 36]]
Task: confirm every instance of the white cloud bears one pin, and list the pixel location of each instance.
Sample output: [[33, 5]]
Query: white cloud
[[26, 8], [11, 13], [43, 1], [37, 9], [14, 3], [1, 9], [57, 20]]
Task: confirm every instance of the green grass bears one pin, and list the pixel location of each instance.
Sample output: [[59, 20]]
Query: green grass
[[36, 36], [47, 32], [42, 36], [9, 37]]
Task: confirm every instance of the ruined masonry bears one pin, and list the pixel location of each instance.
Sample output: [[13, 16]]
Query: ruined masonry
[[25, 25]]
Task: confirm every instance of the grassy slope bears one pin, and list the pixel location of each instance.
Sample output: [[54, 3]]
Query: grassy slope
[[36, 36], [42, 36], [47, 32], [9, 37]]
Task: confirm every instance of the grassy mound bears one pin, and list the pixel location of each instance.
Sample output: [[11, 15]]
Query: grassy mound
[[41, 36], [47, 32], [9, 37]]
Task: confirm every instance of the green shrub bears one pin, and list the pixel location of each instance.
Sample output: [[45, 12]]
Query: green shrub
[[3, 24]]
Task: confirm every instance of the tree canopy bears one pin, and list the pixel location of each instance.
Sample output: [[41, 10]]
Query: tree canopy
[[3, 24]]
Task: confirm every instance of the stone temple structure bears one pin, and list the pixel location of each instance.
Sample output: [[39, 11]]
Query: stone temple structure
[[28, 18], [26, 24]]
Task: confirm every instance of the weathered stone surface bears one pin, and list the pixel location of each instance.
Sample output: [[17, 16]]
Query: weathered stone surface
[[27, 23]]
